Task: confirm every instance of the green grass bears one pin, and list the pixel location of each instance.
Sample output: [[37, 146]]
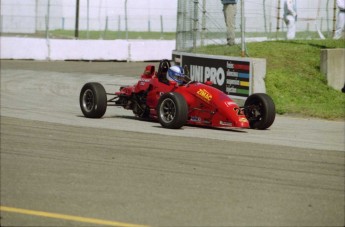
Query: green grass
[[293, 77], [111, 35]]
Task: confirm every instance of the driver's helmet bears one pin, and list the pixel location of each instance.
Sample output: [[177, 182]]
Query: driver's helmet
[[176, 73]]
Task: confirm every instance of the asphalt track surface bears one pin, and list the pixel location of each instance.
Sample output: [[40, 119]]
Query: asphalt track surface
[[61, 169]]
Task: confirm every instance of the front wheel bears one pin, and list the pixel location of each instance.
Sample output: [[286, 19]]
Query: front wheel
[[260, 111], [93, 100], [172, 110]]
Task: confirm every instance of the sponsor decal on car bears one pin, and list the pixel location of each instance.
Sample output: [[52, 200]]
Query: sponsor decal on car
[[229, 103], [195, 118], [226, 123], [204, 95], [145, 80], [239, 111], [242, 119]]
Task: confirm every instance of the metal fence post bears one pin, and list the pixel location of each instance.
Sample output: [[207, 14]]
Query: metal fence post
[[195, 23], [76, 33], [106, 27], [203, 22], [278, 18], [47, 19], [126, 20], [264, 12], [88, 19], [62, 23], [327, 17], [243, 52], [118, 27], [162, 27], [334, 16]]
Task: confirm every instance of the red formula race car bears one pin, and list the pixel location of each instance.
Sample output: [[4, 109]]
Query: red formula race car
[[178, 102]]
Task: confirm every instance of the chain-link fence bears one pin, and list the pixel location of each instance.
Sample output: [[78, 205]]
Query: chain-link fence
[[191, 22], [201, 22], [92, 19]]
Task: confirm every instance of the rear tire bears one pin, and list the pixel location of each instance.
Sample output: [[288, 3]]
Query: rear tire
[[172, 110], [93, 100], [260, 111]]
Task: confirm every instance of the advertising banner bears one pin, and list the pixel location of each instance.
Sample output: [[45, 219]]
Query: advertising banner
[[231, 75]]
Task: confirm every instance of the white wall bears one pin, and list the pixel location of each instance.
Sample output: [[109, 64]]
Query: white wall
[[62, 49]]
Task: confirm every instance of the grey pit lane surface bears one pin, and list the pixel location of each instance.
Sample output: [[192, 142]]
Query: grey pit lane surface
[[119, 168]]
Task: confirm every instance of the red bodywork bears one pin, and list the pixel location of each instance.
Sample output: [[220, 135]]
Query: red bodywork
[[207, 106]]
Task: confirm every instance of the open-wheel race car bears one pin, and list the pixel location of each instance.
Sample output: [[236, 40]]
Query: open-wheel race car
[[170, 97]]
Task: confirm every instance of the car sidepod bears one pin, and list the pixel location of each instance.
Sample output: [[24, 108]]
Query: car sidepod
[[212, 107]]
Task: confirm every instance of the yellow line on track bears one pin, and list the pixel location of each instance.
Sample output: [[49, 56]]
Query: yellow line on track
[[67, 217]]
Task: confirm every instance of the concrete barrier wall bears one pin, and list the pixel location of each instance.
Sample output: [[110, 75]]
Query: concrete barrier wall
[[333, 67], [259, 74], [62, 49]]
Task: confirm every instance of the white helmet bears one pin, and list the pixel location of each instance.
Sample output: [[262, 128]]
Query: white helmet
[[176, 73]]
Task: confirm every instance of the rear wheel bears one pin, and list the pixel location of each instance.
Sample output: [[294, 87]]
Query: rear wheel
[[172, 110], [260, 111], [93, 100]]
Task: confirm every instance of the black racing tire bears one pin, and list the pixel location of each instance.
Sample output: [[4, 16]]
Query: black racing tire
[[93, 100], [260, 111], [172, 110]]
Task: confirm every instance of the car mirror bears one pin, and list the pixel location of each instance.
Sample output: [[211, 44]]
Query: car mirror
[[209, 83]]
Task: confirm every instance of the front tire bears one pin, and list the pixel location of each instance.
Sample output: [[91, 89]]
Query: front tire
[[93, 100], [172, 110], [260, 111]]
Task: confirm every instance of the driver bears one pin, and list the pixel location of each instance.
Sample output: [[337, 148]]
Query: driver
[[176, 73]]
